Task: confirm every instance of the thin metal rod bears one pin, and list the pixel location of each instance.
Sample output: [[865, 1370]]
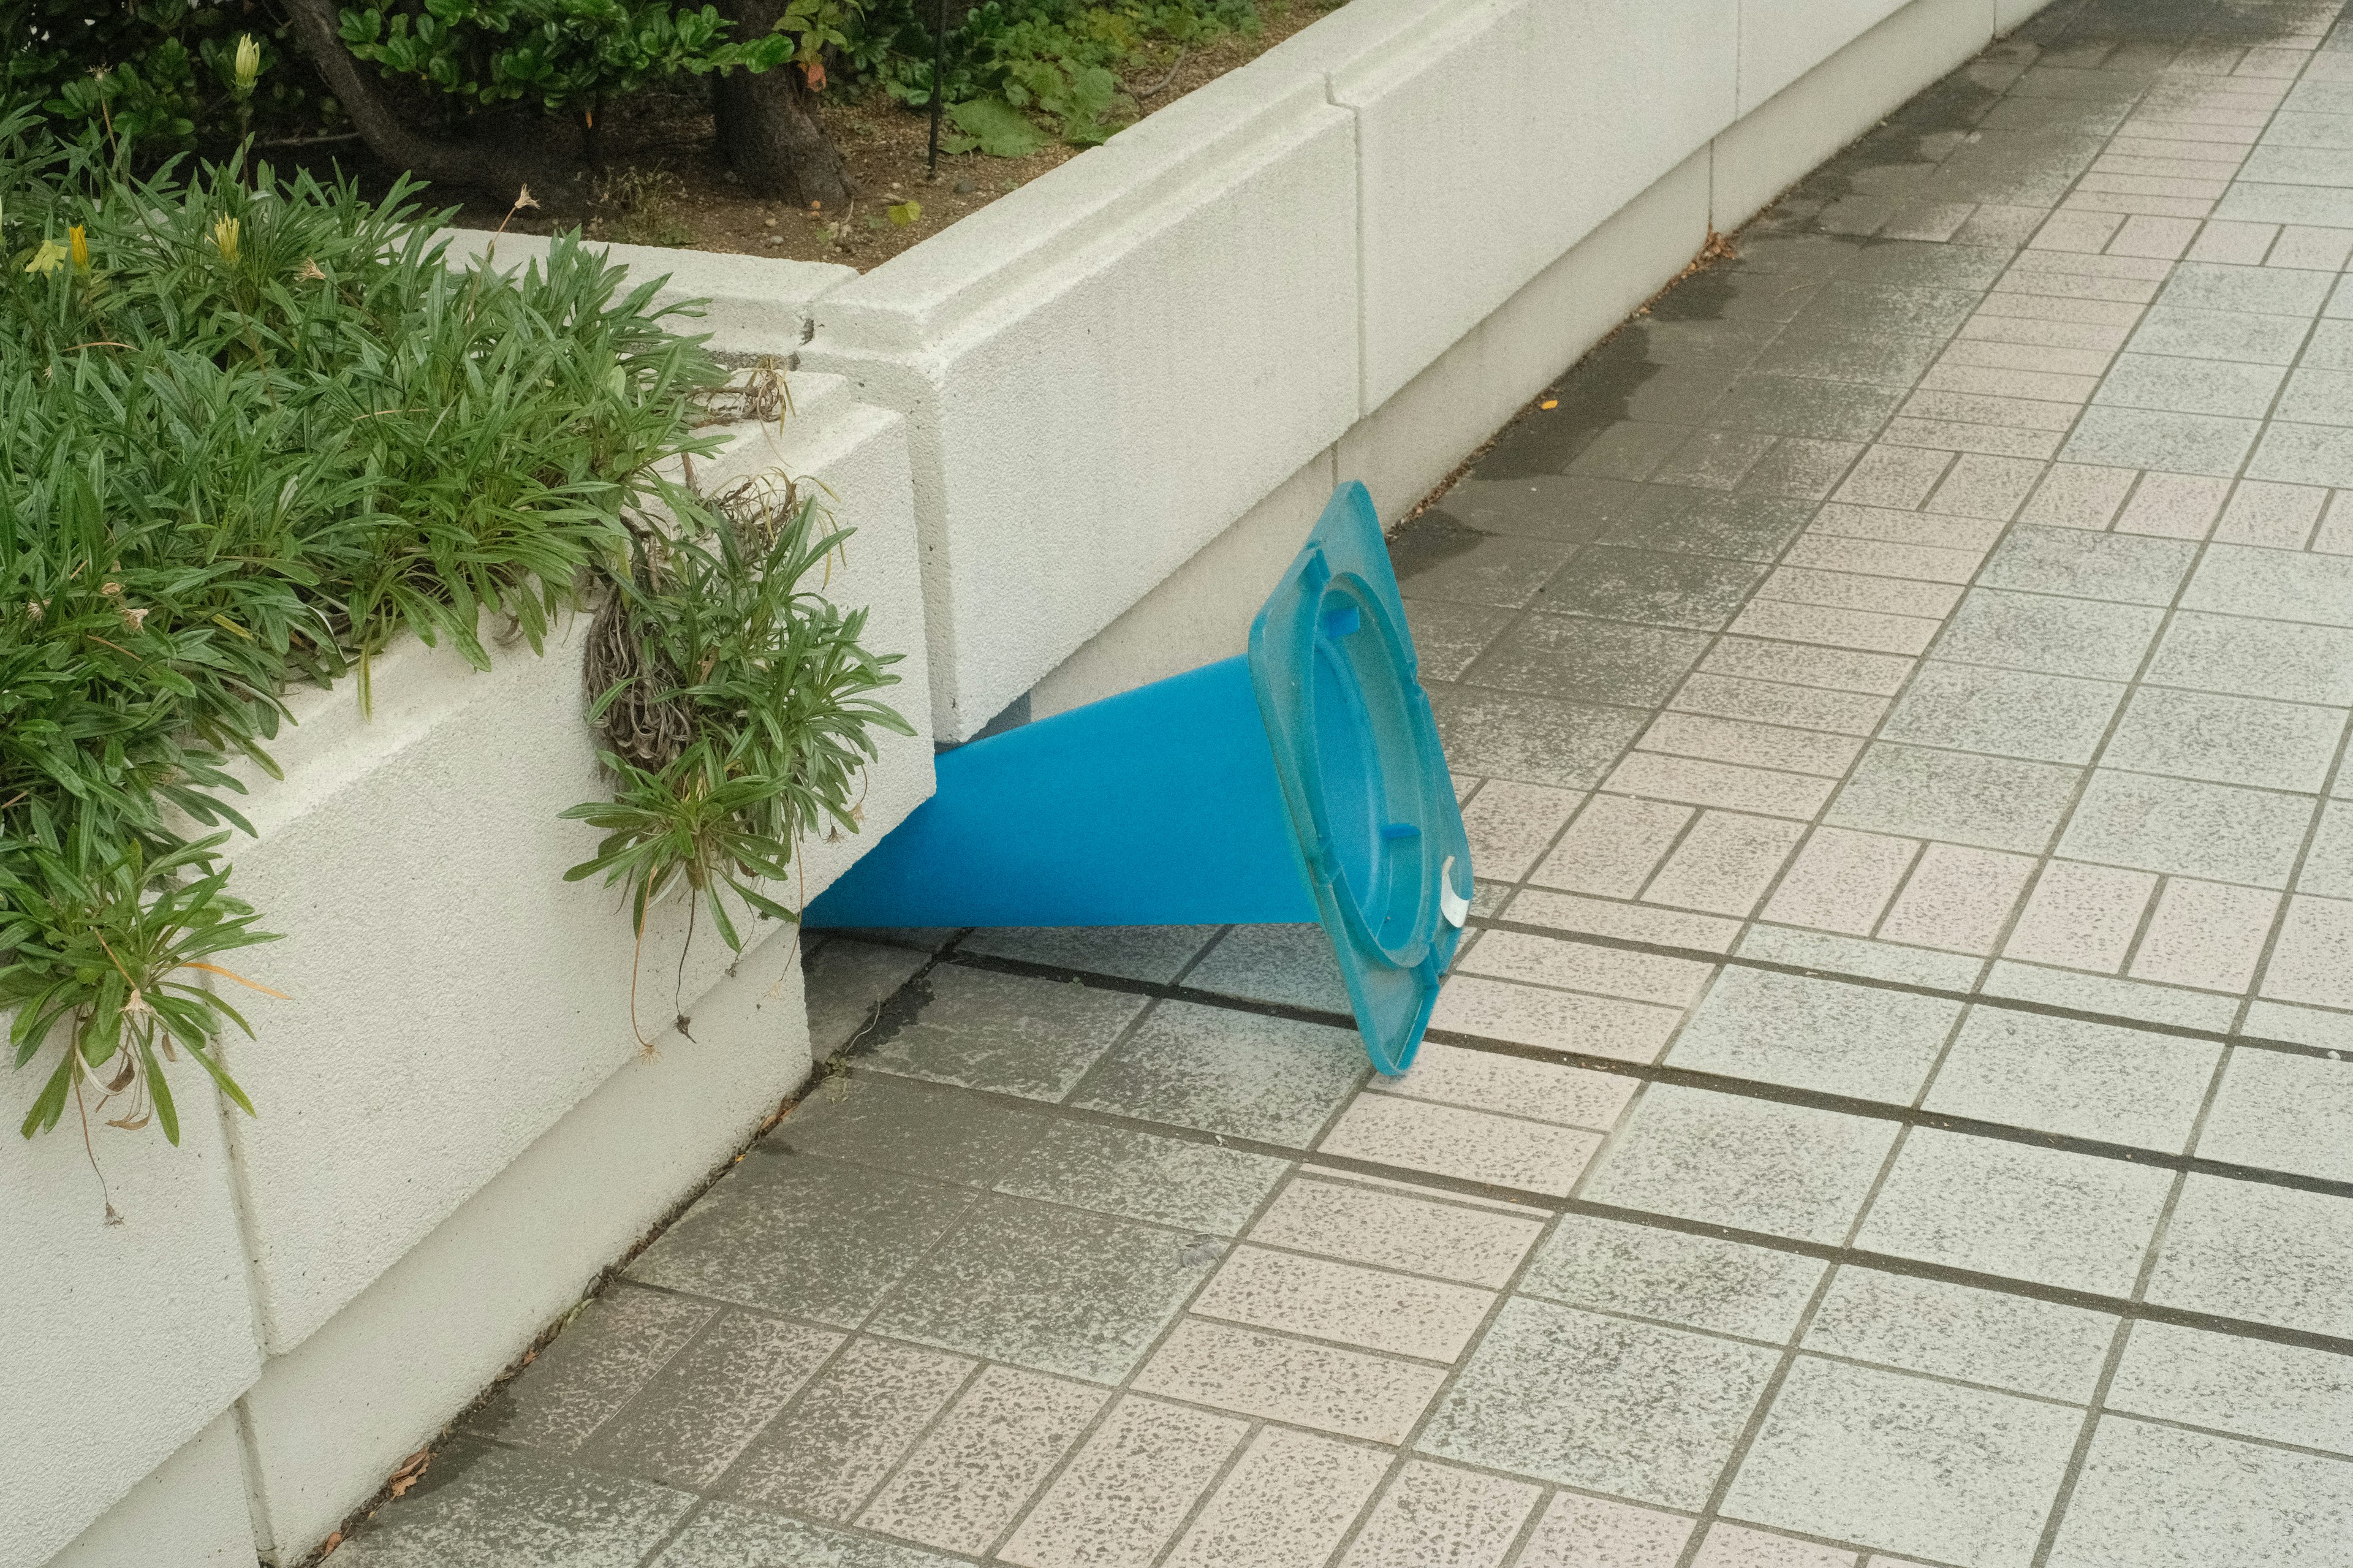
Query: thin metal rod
[[939, 70]]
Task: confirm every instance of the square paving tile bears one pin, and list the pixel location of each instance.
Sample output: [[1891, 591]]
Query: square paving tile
[[2006, 712], [966, 1482], [1242, 1074], [1468, 567], [2131, 569], [2156, 1496], [2017, 1211], [1319, 1297], [2280, 584], [2304, 455], [1800, 405], [1536, 740], [1629, 448], [1994, 803], [846, 982], [2270, 1254], [1291, 964], [2257, 338], [1352, 1393], [2226, 740], [481, 1506], [597, 1364], [1449, 638], [803, 1237], [1132, 953], [1561, 1396], [1580, 1532], [1473, 1242], [1289, 1499], [2244, 658], [2208, 286], [1006, 1032], [1814, 1033], [689, 1423], [1473, 1145], [1705, 522], [1844, 353], [1879, 307], [1693, 1281], [2176, 385], [2076, 1078], [2149, 439], [2283, 1112], [908, 1125], [1907, 1464], [848, 1429], [1129, 1487], [1917, 264], [2099, 640], [2328, 865], [2286, 1393], [1077, 1294], [1651, 586], [728, 1535], [1916, 1324], [1589, 660], [1436, 1514], [1787, 1170], [1141, 1176], [1513, 1085], [2317, 397], [2219, 833]]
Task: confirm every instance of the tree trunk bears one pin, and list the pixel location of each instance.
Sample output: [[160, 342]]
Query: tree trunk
[[496, 165], [768, 121]]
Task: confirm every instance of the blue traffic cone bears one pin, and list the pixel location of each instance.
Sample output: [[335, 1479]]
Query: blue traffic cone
[[1304, 782]]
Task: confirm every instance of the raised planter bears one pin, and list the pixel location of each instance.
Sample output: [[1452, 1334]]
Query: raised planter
[[457, 1126]]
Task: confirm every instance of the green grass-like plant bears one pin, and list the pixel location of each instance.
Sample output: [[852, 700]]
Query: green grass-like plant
[[735, 707], [252, 431]]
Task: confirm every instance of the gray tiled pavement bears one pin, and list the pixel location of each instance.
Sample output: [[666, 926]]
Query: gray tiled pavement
[[1893, 1107]]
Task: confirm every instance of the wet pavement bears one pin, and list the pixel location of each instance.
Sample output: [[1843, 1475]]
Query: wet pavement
[[1893, 1107]]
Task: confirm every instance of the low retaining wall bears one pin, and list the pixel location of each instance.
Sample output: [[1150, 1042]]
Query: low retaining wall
[[1356, 255], [457, 1129]]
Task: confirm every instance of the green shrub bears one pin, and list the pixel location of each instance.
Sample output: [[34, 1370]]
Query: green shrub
[[250, 432], [562, 54], [143, 79], [1059, 58]]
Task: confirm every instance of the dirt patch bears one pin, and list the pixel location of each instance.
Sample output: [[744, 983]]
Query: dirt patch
[[667, 186]]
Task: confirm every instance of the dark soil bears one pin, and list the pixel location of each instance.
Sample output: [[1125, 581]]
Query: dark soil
[[668, 186]]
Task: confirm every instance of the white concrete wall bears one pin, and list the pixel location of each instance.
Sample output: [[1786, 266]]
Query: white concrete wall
[[1468, 317], [457, 1128], [1781, 40], [1489, 148], [1114, 366], [123, 1341], [191, 1511], [1105, 368], [330, 1419], [1833, 103]]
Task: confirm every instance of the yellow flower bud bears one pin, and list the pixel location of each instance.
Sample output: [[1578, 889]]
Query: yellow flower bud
[[78, 248], [224, 238], [248, 62]]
